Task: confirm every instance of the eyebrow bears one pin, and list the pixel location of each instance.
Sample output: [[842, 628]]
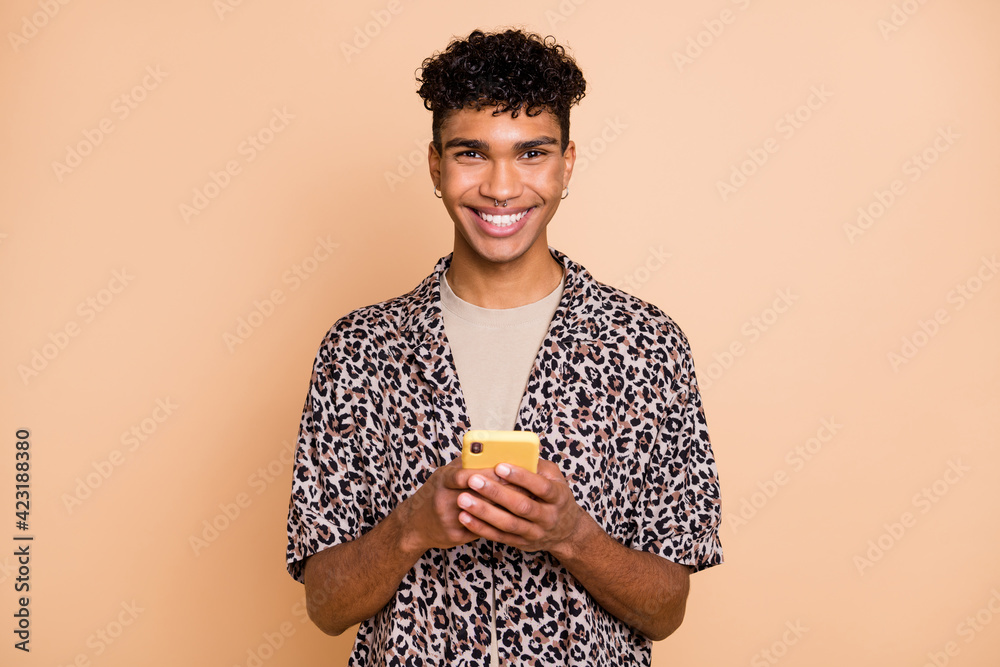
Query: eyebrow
[[480, 145]]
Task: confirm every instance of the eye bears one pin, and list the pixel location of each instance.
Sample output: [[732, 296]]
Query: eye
[[534, 154]]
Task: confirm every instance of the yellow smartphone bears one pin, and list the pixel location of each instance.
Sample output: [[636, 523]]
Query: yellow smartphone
[[485, 449]]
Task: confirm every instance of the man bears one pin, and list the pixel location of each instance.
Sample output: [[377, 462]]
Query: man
[[585, 562]]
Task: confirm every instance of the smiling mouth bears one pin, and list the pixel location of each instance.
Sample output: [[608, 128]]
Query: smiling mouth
[[502, 220]]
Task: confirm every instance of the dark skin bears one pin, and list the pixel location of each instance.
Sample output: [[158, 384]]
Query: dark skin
[[538, 512], [491, 158], [348, 583], [352, 581]]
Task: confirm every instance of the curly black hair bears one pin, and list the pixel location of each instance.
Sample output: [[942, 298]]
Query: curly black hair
[[510, 70]]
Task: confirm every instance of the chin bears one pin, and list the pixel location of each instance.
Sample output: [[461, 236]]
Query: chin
[[502, 251]]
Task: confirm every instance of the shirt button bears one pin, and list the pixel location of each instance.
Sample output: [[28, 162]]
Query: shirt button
[[481, 595]]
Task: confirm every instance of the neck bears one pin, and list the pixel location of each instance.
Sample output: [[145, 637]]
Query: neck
[[527, 279]]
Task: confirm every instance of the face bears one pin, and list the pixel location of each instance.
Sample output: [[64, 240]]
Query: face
[[517, 160]]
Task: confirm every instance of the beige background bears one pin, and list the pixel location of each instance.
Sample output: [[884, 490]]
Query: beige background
[[842, 545]]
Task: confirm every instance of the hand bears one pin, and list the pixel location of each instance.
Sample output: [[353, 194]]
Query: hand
[[430, 516], [532, 511]]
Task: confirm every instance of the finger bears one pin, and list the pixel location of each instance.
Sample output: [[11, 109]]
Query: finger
[[509, 497], [453, 475], [497, 518], [447, 472], [538, 484], [459, 479], [550, 470], [480, 528]]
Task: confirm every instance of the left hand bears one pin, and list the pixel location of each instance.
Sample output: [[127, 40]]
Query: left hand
[[546, 518]]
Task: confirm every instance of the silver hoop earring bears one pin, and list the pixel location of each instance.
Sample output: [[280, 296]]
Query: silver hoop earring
[[436, 194], [565, 193]]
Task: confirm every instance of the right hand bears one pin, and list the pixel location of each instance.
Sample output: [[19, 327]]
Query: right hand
[[431, 516]]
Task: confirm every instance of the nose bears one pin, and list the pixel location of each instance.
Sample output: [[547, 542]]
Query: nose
[[502, 181]]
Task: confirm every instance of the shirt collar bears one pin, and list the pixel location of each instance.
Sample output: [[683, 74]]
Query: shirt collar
[[580, 315]]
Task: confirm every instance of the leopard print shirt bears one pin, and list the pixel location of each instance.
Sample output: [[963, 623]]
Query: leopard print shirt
[[614, 399]]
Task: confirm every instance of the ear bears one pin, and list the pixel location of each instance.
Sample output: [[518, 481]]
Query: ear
[[434, 164], [569, 155]]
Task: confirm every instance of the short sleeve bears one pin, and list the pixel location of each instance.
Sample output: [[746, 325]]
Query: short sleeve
[[680, 504], [323, 510]]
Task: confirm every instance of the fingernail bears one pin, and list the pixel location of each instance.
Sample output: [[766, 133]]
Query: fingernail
[[465, 501], [503, 469], [477, 482]]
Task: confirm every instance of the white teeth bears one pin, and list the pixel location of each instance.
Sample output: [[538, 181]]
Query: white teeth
[[502, 220]]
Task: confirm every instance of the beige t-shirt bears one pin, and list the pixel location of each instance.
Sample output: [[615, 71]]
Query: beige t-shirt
[[494, 351]]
